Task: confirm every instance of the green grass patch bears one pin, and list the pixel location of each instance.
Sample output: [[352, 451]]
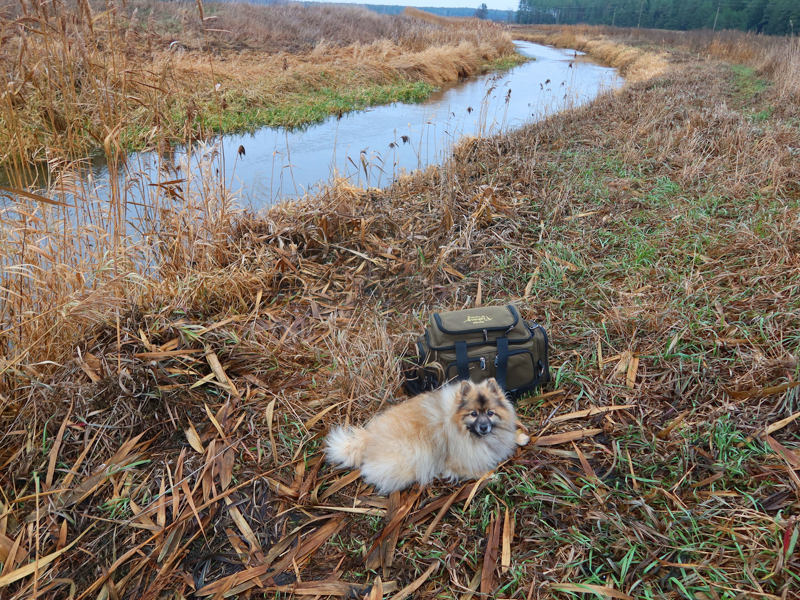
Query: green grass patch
[[746, 83], [311, 106], [504, 63], [762, 115]]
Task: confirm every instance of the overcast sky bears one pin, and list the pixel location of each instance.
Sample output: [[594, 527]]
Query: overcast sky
[[497, 4]]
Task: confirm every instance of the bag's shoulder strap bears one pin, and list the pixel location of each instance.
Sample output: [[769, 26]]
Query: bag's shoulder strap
[[462, 360], [502, 361]]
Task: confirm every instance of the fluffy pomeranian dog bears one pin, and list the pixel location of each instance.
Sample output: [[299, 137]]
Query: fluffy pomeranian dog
[[460, 431]]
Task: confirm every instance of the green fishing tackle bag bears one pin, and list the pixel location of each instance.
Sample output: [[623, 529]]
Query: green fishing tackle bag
[[477, 344]]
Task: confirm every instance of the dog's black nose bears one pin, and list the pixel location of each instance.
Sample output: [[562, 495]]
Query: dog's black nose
[[484, 428]]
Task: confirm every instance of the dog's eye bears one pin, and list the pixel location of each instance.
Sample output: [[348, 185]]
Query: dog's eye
[[490, 413], [473, 414]]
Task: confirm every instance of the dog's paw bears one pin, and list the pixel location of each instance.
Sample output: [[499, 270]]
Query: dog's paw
[[450, 477], [522, 439]]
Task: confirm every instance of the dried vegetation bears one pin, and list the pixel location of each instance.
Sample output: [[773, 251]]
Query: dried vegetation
[[82, 75], [163, 402]]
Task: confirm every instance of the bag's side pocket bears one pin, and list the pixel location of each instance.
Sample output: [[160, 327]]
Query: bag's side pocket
[[422, 371], [537, 350], [411, 367], [543, 363]]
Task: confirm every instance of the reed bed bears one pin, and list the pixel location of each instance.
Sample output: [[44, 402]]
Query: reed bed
[[83, 76], [163, 402]]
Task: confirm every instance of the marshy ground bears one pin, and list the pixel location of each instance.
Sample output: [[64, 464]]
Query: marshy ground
[[164, 403]]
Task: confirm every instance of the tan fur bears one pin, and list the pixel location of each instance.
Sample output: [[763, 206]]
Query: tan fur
[[439, 434]]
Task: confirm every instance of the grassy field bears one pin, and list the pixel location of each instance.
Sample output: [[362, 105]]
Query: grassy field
[[83, 76], [164, 402]]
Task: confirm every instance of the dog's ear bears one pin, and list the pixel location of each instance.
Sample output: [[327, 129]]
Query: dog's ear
[[464, 388], [493, 386]]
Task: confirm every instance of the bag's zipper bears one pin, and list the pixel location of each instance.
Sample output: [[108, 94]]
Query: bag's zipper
[[481, 360], [474, 344]]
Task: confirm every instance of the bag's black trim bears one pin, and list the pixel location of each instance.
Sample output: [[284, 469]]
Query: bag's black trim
[[510, 308], [517, 393]]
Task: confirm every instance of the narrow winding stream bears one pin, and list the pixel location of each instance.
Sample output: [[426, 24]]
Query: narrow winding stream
[[373, 146]]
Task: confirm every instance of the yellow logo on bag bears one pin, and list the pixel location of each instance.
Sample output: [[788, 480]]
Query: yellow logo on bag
[[479, 319]]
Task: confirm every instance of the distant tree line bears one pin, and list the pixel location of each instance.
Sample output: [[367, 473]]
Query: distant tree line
[[773, 17]]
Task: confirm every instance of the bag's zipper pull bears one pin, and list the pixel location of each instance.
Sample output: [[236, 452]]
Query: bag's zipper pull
[[485, 336], [483, 363]]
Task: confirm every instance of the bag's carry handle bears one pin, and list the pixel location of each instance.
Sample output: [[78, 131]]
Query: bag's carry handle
[[502, 361], [462, 360]]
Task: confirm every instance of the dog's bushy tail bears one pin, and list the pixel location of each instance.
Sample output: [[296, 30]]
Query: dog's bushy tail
[[345, 447]]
